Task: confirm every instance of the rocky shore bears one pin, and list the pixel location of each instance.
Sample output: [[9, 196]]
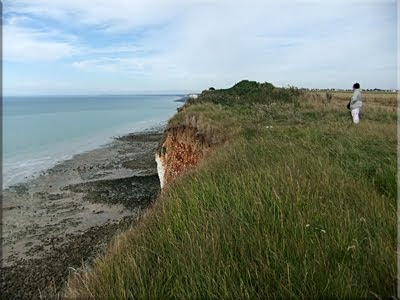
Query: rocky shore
[[61, 220]]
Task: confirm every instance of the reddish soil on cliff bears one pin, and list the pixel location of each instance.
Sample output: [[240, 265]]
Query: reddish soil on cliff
[[181, 150]]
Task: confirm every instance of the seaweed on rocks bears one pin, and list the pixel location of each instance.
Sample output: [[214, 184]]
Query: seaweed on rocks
[[131, 191]]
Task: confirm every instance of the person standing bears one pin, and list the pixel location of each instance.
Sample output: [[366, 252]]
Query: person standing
[[356, 103]]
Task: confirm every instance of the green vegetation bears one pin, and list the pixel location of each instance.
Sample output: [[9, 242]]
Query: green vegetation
[[298, 202], [250, 93]]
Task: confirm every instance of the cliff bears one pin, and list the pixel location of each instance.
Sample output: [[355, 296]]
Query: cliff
[[182, 148], [290, 195]]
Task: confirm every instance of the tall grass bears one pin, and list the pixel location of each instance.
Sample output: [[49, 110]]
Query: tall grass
[[304, 209]]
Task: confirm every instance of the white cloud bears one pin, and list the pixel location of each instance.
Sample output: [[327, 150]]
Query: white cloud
[[111, 65], [24, 44], [116, 49], [126, 14], [214, 42], [107, 15]]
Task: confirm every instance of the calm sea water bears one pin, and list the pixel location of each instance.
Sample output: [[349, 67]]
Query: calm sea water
[[38, 132]]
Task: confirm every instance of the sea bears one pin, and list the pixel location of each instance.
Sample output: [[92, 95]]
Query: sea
[[40, 131]]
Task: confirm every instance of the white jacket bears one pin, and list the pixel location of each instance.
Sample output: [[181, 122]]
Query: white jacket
[[356, 101]]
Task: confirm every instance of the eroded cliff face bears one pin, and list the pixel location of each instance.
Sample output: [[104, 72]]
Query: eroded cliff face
[[182, 148]]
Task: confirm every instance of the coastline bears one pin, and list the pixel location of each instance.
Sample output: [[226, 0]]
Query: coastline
[[30, 167], [60, 220]]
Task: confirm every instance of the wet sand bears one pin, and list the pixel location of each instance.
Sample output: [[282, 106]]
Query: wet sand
[[62, 219]]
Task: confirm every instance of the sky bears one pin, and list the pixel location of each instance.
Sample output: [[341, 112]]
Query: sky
[[130, 46]]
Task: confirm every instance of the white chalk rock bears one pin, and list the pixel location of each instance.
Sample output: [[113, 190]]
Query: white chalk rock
[[160, 170]]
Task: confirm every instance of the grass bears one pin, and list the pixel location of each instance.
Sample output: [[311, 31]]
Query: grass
[[305, 208]]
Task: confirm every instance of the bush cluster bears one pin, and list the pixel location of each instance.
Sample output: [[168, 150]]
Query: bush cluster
[[250, 92]]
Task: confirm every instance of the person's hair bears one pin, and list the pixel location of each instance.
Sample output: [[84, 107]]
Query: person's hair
[[356, 85]]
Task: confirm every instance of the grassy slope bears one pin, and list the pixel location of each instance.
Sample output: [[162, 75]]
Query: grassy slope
[[305, 208]]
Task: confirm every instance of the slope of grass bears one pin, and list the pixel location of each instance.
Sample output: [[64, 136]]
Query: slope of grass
[[304, 208]]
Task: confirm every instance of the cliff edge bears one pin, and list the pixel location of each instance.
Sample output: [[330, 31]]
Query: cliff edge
[[181, 149]]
